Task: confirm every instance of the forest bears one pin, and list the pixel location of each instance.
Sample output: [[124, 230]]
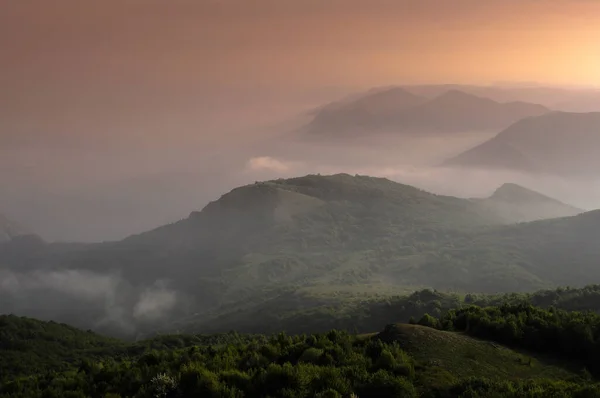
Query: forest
[[512, 349]]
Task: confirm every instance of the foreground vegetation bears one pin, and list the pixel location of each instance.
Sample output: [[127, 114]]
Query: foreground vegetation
[[511, 350]]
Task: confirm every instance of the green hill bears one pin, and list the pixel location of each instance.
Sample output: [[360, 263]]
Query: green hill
[[314, 230], [29, 346], [317, 237], [443, 357], [540, 254], [402, 360]]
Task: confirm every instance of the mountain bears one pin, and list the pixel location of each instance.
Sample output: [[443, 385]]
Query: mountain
[[371, 111], [9, 229], [285, 231], [329, 236], [518, 204], [458, 111], [399, 111], [556, 143]]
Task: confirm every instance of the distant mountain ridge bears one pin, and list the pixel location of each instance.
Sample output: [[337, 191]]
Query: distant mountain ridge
[[518, 204], [556, 143], [396, 110], [558, 98]]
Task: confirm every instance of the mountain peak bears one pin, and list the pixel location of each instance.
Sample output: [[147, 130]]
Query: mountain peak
[[514, 193], [560, 143], [517, 193]]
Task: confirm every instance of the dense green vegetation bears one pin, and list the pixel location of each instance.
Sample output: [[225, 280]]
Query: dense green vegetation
[[573, 335], [401, 361], [29, 346]]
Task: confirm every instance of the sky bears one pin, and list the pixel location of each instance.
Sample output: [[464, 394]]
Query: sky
[[96, 94], [112, 63]]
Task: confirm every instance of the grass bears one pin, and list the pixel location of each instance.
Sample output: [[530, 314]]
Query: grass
[[442, 358]]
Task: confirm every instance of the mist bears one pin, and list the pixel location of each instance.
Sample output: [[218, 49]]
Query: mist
[[105, 133], [103, 302], [91, 194]]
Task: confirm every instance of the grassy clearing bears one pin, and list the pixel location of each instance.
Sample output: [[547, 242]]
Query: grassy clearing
[[442, 358]]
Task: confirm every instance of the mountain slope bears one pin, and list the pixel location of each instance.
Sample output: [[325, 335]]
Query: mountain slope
[[443, 356], [459, 111], [371, 111], [523, 257], [287, 230], [515, 203], [332, 364], [30, 346], [557, 143], [249, 245], [399, 111], [331, 236]]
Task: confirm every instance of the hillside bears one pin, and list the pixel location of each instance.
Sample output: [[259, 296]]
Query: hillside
[[545, 253], [444, 357], [29, 346], [326, 236], [515, 203], [402, 360], [556, 143], [304, 312], [399, 111], [307, 230]]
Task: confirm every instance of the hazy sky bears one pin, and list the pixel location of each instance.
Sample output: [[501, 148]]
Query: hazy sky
[[59, 49], [112, 89]]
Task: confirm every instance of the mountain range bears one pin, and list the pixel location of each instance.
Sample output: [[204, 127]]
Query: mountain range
[[555, 143], [396, 110], [567, 99], [323, 235]]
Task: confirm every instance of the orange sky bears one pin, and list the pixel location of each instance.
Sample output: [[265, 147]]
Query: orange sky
[[75, 55], [352, 42], [109, 89]]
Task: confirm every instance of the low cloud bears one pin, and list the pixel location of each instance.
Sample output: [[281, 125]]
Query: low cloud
[[154, 302], [268, 163], [457, 182], [108, 302]]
